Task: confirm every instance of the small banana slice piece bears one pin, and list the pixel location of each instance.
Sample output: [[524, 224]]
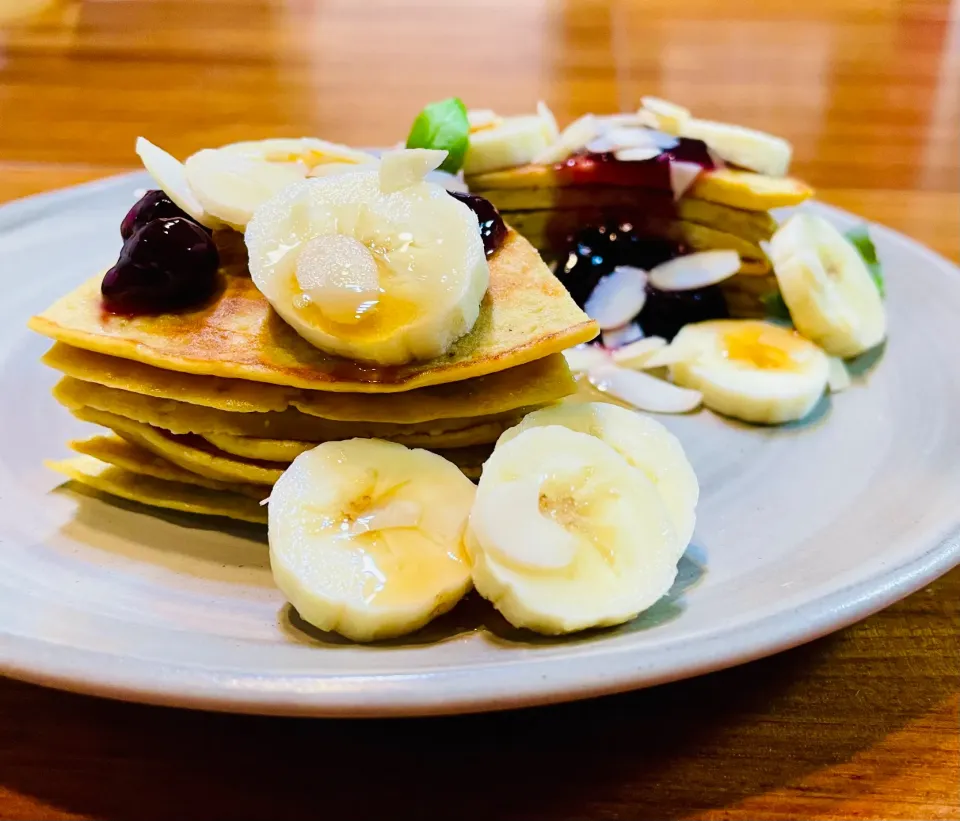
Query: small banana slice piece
[[366, 537], [744, 147], [643, 442], [827, 286], [232, 181], [510, 142], [377, 265], [566, 535], [748, 369]]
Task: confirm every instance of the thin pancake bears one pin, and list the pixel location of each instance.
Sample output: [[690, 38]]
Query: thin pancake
[[536, 383], [125, 454], [190, 452], [724, 186], [470, 459], [155, 492], [183, 418], [526, 315], [750, 225]]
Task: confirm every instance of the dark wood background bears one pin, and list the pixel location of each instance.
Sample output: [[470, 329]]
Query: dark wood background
[[863, 724]]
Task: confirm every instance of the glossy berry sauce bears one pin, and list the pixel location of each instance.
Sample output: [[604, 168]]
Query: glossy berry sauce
[[167, 264], [152, 205], [605, 169], [493, 230]]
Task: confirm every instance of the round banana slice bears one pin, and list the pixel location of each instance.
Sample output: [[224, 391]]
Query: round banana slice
[[643, 442], [566, 535], [366, 537], [749, 369], [232, 181], [378, 265], [832, 298]]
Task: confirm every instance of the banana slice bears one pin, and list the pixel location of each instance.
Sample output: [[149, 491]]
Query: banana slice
[[827, 286], [748, 369], [232, 181], [510, 142], [643, 442], [664, 115], [745, 147], [366, 537], [367, 270], [566, 535], [168, 172]]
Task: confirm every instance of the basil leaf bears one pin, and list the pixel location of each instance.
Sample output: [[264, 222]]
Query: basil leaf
[[775, 306], [859, 238], [443, 126]]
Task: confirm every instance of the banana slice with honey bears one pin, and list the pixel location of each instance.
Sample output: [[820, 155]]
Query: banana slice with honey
[[376, 265]]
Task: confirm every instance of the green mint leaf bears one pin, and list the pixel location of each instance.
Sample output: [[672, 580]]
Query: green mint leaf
[[443, 126], [774, 305], [859, 238]]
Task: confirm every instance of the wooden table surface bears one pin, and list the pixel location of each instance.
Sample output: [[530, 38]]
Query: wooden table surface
[[863, 724]]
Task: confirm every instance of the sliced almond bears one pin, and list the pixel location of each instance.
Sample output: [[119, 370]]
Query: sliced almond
[[618, 337], [839, 378], [583, 358], [636, 354], [695, 270], [572, 140], [682, 176], [637, 154], [617, 297], [643, 391]]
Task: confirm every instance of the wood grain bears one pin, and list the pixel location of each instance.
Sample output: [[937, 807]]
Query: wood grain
[[863, 724]]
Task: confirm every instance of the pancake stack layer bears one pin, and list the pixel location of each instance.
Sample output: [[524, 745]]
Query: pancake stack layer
[[205, 409]]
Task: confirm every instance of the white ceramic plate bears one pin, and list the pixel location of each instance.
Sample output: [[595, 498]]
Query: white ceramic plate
[[801, 530]]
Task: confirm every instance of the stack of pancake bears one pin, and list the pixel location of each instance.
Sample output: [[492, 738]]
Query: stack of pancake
[[205, 409], [723, 209]]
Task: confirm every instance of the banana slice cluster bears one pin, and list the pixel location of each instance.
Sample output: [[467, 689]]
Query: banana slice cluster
[[581, 515], [375, 265], [221, 187], [579, 520]]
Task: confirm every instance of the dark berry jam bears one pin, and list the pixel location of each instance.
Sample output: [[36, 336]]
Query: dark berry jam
[[493, 230], [152, 205], [168, 264], [606, 169], [666, 312], [595, 252]]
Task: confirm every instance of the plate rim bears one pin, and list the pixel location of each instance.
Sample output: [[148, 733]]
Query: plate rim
[[541, 681]]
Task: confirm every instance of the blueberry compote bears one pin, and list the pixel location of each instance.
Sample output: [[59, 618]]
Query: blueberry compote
[[166, 265], [595, 252], [168, 262], [493, 231]]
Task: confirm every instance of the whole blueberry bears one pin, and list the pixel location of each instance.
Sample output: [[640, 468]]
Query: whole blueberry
[[152, 205]]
